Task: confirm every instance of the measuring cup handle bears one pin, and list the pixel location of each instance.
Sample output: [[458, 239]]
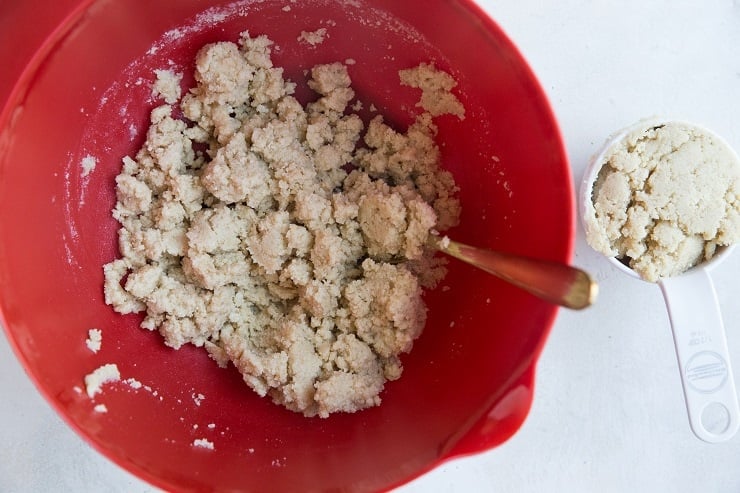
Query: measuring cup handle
[[703, 359]]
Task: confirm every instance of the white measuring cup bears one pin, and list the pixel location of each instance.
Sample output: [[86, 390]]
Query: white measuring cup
[[694, 312]]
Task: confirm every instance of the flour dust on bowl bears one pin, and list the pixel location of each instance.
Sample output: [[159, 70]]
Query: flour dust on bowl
[[174, 417], [660, 200]]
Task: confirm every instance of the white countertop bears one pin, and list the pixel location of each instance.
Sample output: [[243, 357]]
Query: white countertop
[[608, 413]]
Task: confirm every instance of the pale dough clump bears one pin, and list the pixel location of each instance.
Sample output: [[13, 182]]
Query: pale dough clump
[[436, 97], [203, 443], [313, 37], [665, 199], [95, 380], [167, 86], [88, 164], [270, 235], [94, 340]]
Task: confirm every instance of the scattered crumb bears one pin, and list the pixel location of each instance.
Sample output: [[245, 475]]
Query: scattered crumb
[[435, 85], [167, 86], [100, 408], [357, 106], [313, 37], [88, 164], [94, 381], [94, 340], [350, 61], [197, 399], [373, 108], [666, 198], [211, 426], [203, 443], [133, 383], [286, 8]]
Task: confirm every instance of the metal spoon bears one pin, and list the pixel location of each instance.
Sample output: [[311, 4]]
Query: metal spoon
[[555, 282]]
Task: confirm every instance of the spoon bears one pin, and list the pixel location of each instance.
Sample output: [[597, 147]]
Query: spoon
[[555, 282], [696, 321]]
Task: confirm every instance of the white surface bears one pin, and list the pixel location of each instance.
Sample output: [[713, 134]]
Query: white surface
[[608, 413]]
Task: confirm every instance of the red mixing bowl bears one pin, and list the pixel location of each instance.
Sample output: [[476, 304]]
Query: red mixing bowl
[[85, 91]]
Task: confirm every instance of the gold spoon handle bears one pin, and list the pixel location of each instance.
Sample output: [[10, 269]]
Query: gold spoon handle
[[552, 281]]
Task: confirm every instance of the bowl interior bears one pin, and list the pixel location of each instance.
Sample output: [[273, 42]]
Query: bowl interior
[[90, 95]]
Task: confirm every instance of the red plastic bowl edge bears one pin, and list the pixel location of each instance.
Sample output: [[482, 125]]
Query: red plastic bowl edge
[[472, 441]]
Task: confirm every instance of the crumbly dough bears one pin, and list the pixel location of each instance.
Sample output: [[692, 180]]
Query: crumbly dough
[[100, 376], [665, 199], [270, 235], [167, 86], [203, 443], [313, 37], [436, 97], [94, 340], [88, 164]]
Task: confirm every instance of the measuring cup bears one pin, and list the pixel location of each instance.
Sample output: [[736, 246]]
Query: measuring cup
[[696, 321]]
